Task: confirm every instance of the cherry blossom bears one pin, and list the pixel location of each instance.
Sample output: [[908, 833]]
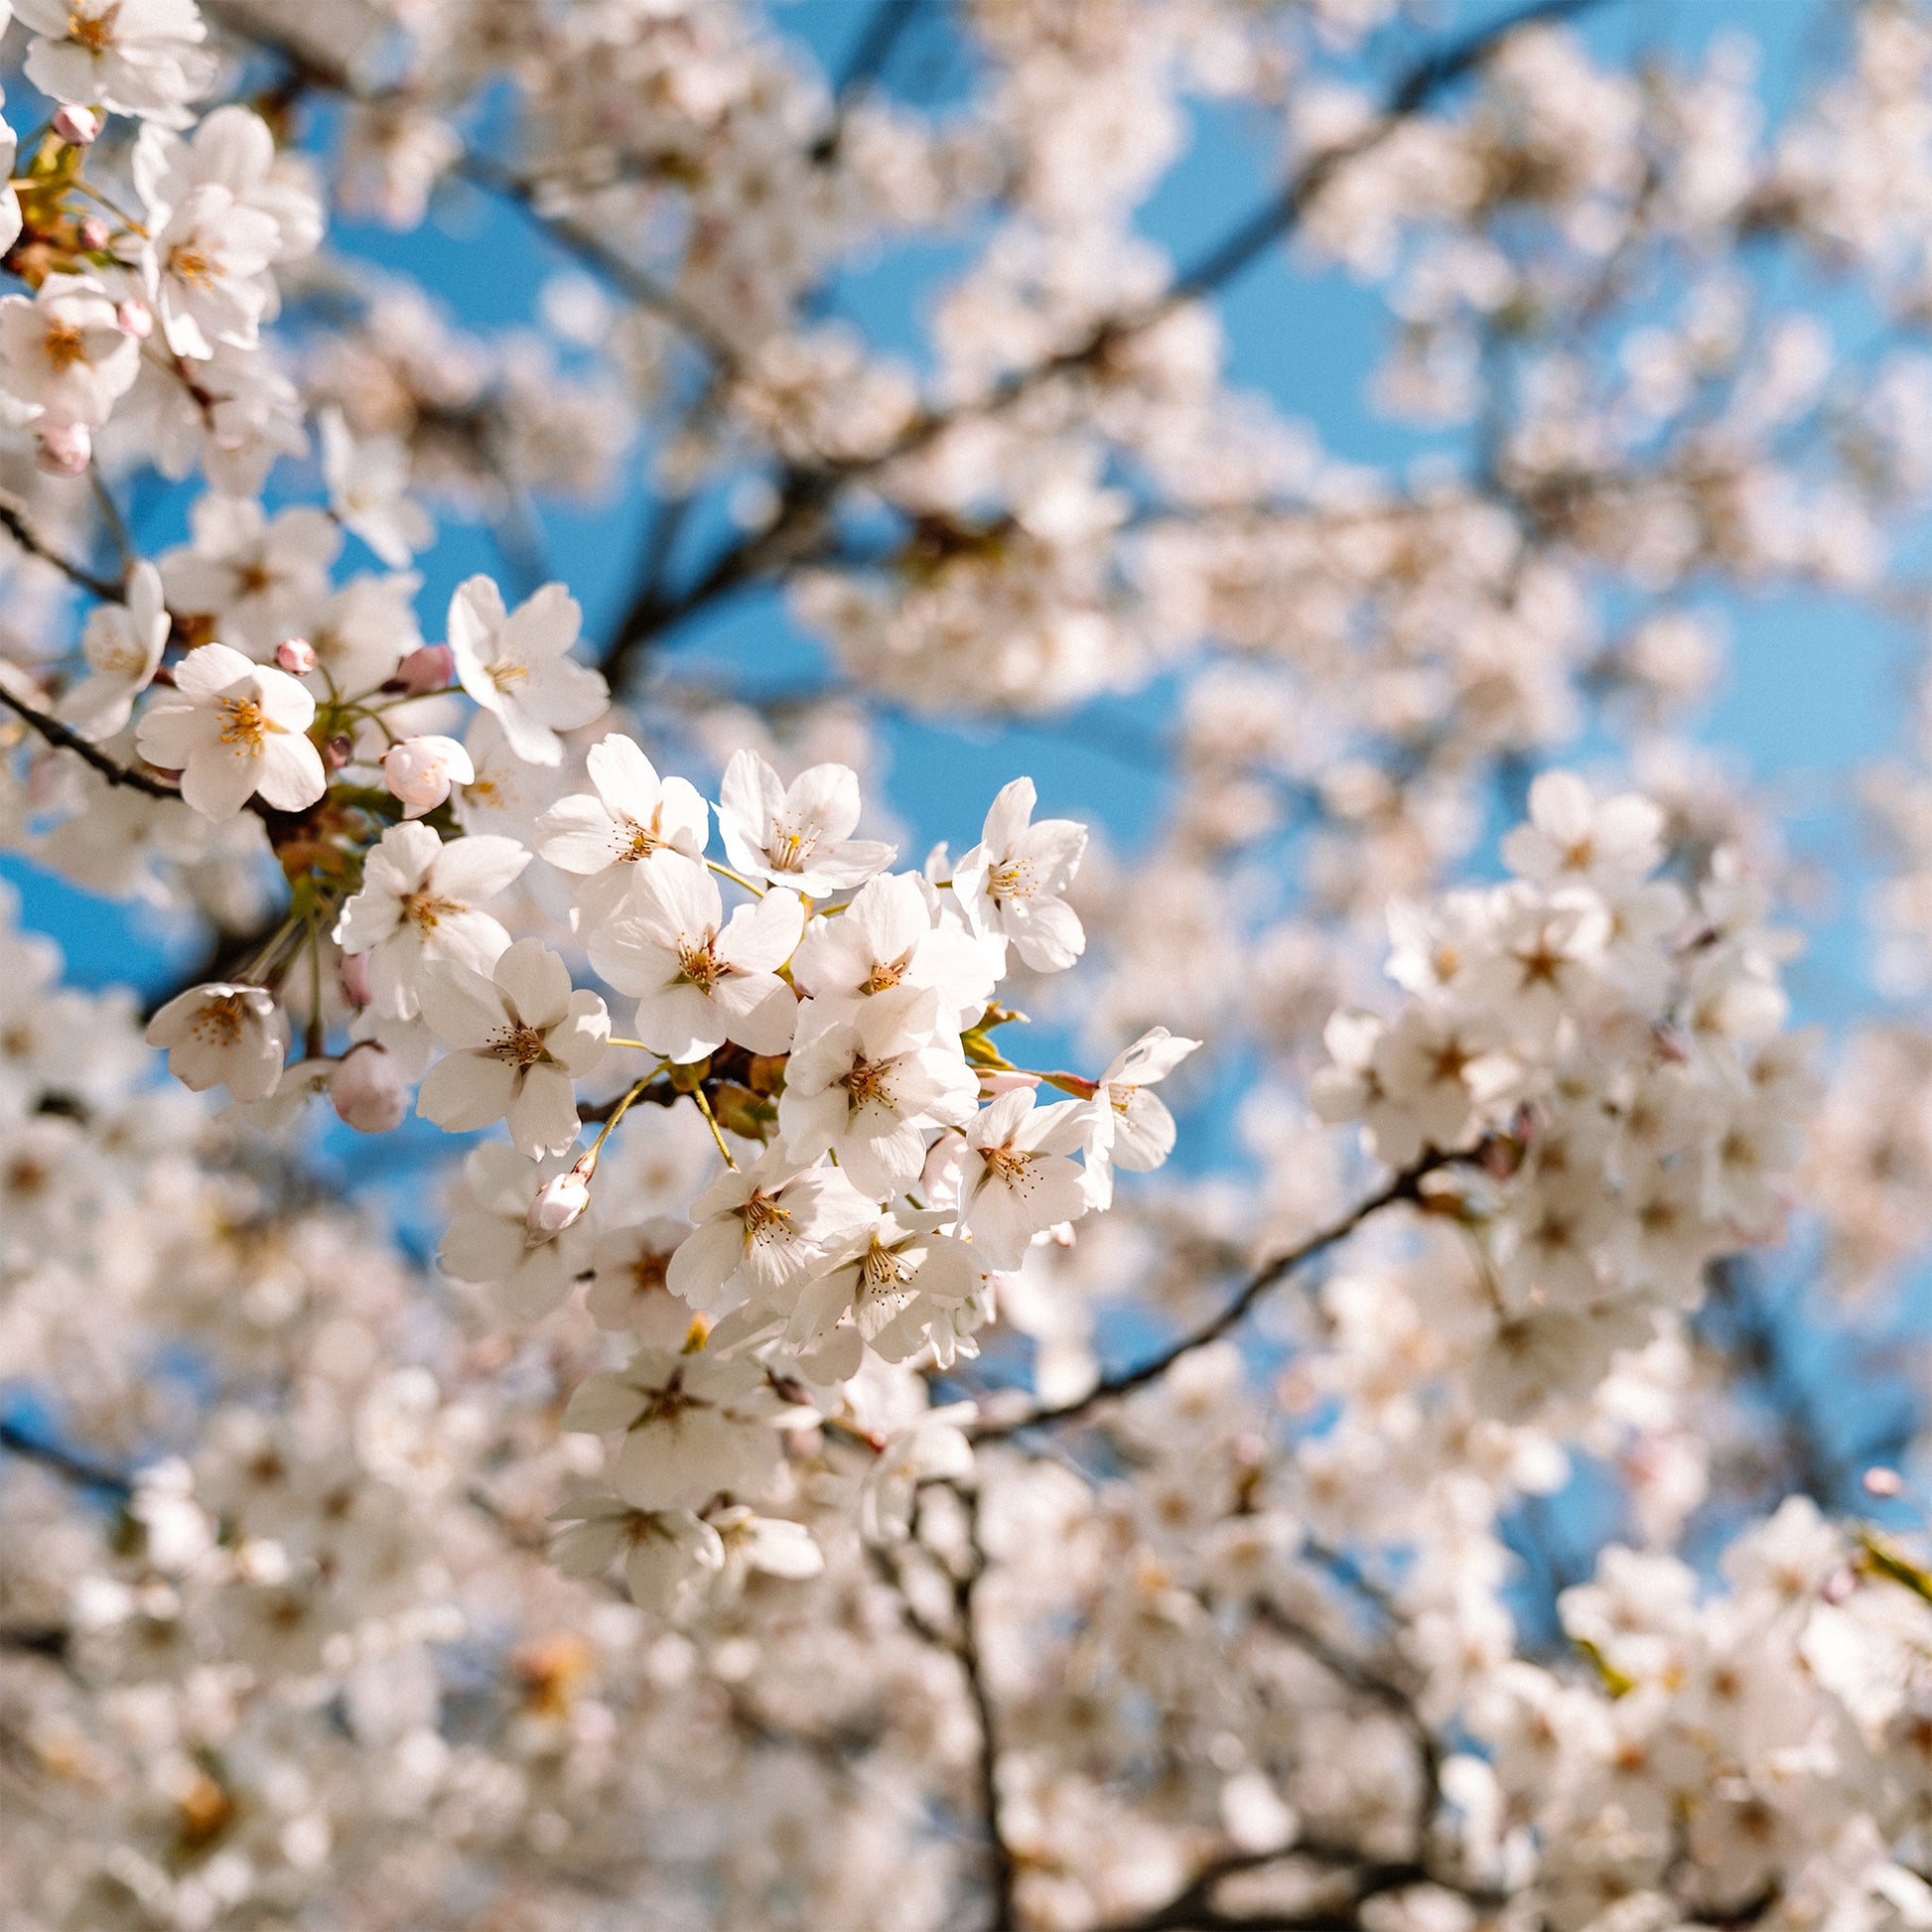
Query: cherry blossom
[[761, 1230], [122, 643], [223, 1035], [418, 908], [522, 1039], [701, 979], [1018, 1180], [515, 664], [633, 817], [64, 354], [797, 836], [235, 730], [864, 1088], [1011, 882]]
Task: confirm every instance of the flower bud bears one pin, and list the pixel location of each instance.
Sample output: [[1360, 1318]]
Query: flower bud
[[296, 655], [994, 1082], [94, 235], [560, 1202], [339, 750], [78, 127], [1880, 1482], [136, 319], [368, 1090], [354, 975], [1840, 1585], [432, 668], [66, 449], [421, 770]]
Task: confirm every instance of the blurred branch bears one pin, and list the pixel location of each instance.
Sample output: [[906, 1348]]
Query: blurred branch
[[1401, 1187], [808, 494], [81, 1470], [15, 523]]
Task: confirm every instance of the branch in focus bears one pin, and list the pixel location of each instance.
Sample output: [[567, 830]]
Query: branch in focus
[[69, 740], [1403, 1186]]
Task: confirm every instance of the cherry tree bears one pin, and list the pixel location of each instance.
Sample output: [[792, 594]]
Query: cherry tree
[[632, 1343]]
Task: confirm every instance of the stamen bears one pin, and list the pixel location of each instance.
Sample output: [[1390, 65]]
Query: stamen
[[519, 1045]]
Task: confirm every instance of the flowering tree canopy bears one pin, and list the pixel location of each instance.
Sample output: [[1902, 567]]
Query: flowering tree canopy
[[795, 1461]]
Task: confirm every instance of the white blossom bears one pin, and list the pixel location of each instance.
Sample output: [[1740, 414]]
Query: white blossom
[[521, 1037], [235, 730], [701, 979], [514, 664], [220, 1035], [797, 836], [1012, 884], [418, 906]]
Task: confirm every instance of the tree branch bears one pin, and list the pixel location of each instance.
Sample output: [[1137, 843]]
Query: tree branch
[[68, 739], [1005, 1868], [1401, 1187], [15, 523], [79, 1470], [812, 491]]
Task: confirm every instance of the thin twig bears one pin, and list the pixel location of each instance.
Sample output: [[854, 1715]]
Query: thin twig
[[1401, 1187], [17, 528], [69, 740], [81, 1470], [1004, 1866]]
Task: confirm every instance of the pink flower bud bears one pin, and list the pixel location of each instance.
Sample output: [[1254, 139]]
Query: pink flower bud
[[296, 655], [78, 127], [432, 668], [368, 1090], [66, 449], [560, 1203], [421, 770], [994, 1082], [1881, 1481], [339, 750], [354, 975], [1840, 1585], [136, 319], [94, 233]]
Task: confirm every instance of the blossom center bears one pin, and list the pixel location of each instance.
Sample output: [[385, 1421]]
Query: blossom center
[[64, 345], [519, 1045], [636, 841], [425, 910], [883, 1271], [219, 1023], [791, 845], [699, 966], [192, 265], [885, 975], [765, 1219], [1014, 880], [867, 1084], [95, 31], [244, 724], [507, 673], [1008, 1164]]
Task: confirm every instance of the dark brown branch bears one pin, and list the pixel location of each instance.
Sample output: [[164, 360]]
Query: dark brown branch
[[69, 740], [81, 1470], [1004, 1867], [627, 277], [1403, 1186], [23, 533]]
